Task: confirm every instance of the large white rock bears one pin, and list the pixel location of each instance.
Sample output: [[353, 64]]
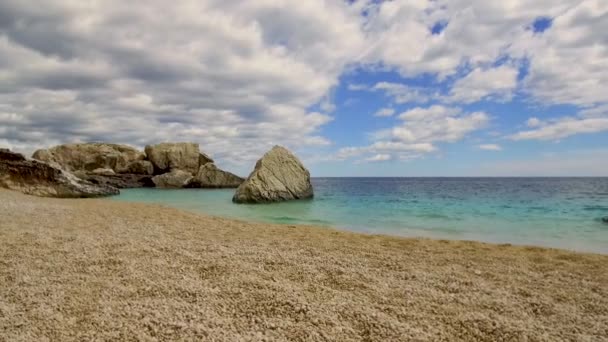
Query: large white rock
[[278, 176], [92, 156], [175, 156]]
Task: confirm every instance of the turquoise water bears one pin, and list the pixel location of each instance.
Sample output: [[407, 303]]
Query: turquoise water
[[554, 212]]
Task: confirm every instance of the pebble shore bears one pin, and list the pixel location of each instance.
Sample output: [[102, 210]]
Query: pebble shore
[[92, 269]]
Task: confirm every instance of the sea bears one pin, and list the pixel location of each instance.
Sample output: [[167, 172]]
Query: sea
[[551, 212]]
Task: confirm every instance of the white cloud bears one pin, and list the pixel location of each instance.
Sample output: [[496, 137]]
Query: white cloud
[[437, 124], [379, 158], [562, 128], [401, 93], [239, 76], [479, 84], [490, 147], [236, 76], [568, 62], [420, 130], [357, 87], [533, 122], [384, 112]]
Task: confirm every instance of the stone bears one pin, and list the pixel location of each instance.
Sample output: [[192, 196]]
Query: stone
[[278, 176], [91, 156], [210, 176], [104, 172], [605, 219], [7, 155], [173, 179], [118, 180], [37, 178], [138, 167], [166, 157], [204, 159]]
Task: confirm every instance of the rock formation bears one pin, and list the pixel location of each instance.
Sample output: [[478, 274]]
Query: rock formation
[[173, 179], [122, 166], [278, 176], [166, 157], [91, 156], [210, 176], [119, 180], [37, 178]]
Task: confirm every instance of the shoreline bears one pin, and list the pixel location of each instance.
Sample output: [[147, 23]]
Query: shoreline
[[392, 231], [80, 269]]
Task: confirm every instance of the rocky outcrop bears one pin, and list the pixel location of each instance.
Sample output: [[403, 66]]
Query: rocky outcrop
[[118, 180], [122, 166], [278, 176], [138, 167], [37, 178], [104, 172], [92, 156], [605, 219], [210, 176], [173, 179], [166, 157]]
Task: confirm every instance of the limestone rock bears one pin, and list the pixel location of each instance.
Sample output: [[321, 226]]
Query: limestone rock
[[173, 179], [278, 176], [210, 176], [204, 159], [37, 178], [118, 180], [174, 156], [138, 167], [104, 172], [91, 156]]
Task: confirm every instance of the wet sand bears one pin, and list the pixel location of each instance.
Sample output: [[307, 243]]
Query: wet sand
[[80, 270]]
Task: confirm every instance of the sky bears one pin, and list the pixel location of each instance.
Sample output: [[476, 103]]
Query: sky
[[354, 88]]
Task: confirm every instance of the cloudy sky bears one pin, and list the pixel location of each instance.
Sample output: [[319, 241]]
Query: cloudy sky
[[355, 88]]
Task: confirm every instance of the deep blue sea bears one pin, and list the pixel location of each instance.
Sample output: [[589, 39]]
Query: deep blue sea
[[554, 212]]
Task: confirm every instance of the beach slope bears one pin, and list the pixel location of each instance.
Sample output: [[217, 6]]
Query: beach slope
[[79, 270]]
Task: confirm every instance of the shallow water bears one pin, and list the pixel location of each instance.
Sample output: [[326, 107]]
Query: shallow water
[[554, 212]]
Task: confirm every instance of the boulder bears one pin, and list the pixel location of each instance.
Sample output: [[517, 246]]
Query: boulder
[[37, 178], [278, 176], [166, 157], [118, 180], [173, 179], [138, 167], [92, 156], [605, 219], [210, 176], [104, 172]]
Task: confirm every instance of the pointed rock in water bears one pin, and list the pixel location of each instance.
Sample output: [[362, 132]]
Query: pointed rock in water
[[37, 178], [210, 176], [92, 156], [175, 179], [183, 156], [278, 176], [605, 219]]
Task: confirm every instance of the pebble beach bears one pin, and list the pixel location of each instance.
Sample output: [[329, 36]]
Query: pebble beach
[[84, 270]]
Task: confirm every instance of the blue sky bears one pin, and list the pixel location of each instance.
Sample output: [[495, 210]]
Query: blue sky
[[355, 88]]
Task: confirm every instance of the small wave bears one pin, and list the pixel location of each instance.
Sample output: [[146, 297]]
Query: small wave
[[436, 216], [595, 208], [283, 218]]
